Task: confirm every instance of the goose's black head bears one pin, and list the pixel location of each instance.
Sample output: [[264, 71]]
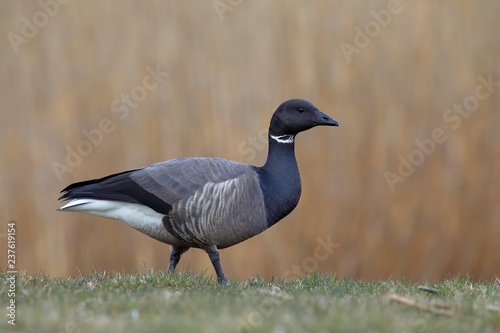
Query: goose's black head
[[297, 115]]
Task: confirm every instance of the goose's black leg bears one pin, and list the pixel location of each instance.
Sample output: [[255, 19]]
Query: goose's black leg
[[175, 256], [213, 254]]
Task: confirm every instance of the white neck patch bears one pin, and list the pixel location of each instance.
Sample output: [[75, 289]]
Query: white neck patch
[[283, 138]]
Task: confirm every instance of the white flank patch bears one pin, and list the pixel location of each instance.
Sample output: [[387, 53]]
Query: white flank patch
[[137, 216], [283, 138]]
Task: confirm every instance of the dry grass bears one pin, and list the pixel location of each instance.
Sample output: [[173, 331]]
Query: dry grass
[[225, 79]]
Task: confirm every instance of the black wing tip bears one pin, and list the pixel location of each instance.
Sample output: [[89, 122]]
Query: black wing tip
[[118, 187], [64, 197], [66, 192]]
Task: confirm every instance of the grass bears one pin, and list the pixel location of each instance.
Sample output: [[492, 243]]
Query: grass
[[163, 302]]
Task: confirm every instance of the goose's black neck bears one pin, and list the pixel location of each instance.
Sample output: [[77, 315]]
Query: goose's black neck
[[281, 154], [280, 178]]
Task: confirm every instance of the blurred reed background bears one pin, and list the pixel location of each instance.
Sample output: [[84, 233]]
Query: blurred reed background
[[228, 69]]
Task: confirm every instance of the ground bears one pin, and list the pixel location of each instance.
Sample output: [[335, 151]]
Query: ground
[[157, 301]]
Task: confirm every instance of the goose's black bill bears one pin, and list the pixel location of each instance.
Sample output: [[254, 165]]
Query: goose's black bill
[[325, 120]]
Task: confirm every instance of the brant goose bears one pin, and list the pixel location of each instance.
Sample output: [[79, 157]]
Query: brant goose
[[206, 203]]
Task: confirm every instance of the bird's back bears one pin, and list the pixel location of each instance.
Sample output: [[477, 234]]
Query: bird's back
[[214, 201], [206, 201]]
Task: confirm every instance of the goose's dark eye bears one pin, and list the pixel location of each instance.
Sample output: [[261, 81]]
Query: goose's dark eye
[[301, 110]]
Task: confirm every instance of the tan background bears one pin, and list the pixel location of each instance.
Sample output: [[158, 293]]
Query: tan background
[[226, 77]]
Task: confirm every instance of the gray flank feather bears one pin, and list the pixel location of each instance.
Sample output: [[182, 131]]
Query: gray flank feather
[[214, 201]]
